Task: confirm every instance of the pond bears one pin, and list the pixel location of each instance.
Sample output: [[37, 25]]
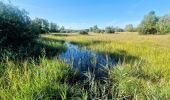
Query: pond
[[85, 59]]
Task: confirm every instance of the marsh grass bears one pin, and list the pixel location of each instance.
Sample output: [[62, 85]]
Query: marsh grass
[[142, 71]]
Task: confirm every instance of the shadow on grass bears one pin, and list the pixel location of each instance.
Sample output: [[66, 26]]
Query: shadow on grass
[[119, 55], [81, 44], [45, 39], [45, 48], [48, 92], [64, 34], [123, 57], [137, 69]]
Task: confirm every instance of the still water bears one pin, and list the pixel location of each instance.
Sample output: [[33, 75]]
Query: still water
[[84, 59]]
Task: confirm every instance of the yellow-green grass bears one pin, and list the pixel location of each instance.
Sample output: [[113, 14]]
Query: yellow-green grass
[[31, 78], [143, 71], [48, 80], [150, 65]]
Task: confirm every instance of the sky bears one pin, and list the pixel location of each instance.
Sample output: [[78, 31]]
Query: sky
[[79, 14]]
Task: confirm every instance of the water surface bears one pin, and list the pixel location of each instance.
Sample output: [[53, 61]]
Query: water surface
[[85, 59]]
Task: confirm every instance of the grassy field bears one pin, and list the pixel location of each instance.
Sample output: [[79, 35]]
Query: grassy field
[[142, 72], [144, 61]]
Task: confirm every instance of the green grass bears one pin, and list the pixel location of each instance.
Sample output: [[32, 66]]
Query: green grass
[[144, 59], [141, 73]]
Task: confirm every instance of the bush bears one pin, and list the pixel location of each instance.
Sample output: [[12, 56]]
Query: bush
[[83, 32], [109, 29], [16, 27]]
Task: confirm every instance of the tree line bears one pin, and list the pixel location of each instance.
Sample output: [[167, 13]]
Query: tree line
[[16, 27], [45, 26], [150, 24], [111, 29], [108, 29]]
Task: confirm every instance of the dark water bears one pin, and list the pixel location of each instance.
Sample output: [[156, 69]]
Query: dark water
[[85, 59]]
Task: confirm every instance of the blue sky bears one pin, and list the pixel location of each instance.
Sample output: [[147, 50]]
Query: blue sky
[[78, 14]]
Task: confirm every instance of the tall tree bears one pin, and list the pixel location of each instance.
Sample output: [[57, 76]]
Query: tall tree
[[129, 28], [62, 29], [53, 27], [118, 29], [91, 29], [96, 29], [163, 24], [109, 29], [148, 24], [43, 24], [16, 27]]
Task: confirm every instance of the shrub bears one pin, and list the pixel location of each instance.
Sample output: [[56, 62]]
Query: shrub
[[83, 32], [16, 27], [109, 29]]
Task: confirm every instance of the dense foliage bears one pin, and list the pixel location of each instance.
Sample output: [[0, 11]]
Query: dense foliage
[[16, 27], [109, 29], [118, 29], [151, 24], [83, 32], [163, 25], [129, 28], [95, 29], [148, 24]]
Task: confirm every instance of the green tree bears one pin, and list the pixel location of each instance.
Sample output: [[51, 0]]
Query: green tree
[[83, 32], [91, 29], [148, 24], [96, 29], [53, 27], [16, 27], [43, 24], [62, 29], [163, 24], [129, 28], [118, 29], [109, 29]]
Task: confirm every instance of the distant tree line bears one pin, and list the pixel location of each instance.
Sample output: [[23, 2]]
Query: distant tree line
[[17, 28], [152, 24], [129, 28], [50, 27], [44, 26], [108, 29]]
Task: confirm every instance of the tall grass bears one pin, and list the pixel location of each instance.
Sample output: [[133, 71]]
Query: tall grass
[[143, 72]]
